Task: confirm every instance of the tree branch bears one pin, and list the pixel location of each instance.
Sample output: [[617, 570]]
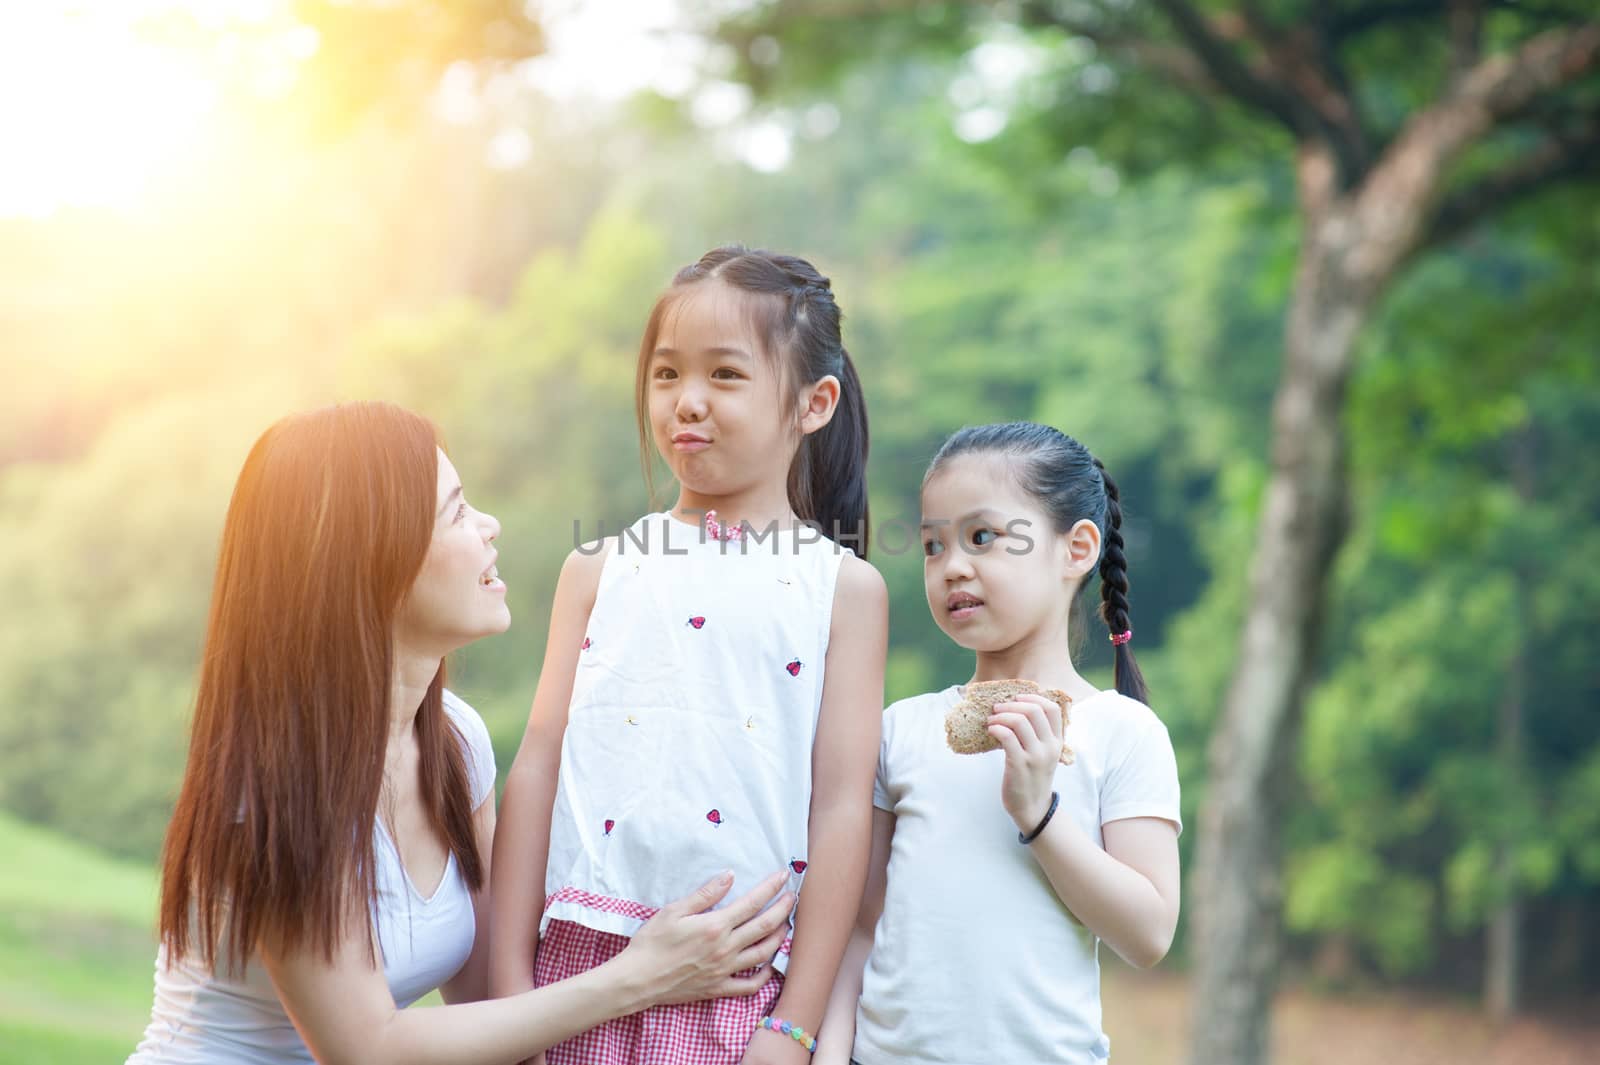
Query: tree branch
[[1558, 158], [1258, 25], [1396, 200], [1291, 84], [1353, 22], [1504, 86], [1230, 72]]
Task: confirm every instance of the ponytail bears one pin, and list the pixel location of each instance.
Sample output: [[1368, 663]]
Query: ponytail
[[828, 480]]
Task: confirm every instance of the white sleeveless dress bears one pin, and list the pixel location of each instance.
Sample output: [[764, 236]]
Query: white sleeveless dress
[[695, 702]]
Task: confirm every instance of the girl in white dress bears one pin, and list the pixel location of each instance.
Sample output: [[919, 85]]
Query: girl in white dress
[[713, 683]]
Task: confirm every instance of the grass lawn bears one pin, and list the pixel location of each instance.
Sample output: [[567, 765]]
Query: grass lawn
[[76, 950]]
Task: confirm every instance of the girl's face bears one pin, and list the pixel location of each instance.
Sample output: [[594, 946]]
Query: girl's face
[[996, 572], [457, 596], [716, 403]]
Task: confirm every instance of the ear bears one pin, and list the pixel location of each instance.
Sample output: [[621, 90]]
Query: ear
[[1083, 549], [818, 402]]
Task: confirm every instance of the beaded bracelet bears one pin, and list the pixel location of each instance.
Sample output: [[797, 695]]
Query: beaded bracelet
[[794, 1031]]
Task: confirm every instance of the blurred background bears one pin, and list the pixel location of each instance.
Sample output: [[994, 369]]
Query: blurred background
[[1316, 280]]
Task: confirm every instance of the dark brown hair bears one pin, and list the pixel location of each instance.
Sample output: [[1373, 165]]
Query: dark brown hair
[[272, 834]]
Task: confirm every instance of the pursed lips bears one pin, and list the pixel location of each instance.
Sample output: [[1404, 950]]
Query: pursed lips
[[962, 604], [686, 441]]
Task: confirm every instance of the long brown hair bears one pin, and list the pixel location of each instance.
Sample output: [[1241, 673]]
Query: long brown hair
[[272, 834]]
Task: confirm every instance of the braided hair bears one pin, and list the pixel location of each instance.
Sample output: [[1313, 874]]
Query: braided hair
[[1071, 485], [797, 322]]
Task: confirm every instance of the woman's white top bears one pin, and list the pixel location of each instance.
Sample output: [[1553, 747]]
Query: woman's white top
[[695, 701], [206, 1017]]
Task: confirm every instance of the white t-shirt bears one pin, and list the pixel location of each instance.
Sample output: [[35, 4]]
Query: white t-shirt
[[694, 705], [203, 1017], [975, 961]]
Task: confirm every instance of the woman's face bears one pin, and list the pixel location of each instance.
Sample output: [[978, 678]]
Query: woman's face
[[457, 596]]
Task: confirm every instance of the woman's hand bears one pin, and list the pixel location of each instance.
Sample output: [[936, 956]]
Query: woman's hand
[[685, 953], [1029, 729]]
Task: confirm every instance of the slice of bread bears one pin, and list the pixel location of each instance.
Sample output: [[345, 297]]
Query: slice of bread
[[966, 726]]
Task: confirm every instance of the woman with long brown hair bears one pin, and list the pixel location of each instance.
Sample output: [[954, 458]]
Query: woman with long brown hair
[[327, 862]]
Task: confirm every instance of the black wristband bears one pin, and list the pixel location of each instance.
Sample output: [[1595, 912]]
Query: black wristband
[[1055, 799]]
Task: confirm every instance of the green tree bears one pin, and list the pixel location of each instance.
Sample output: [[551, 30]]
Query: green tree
[[1405, 125], [1443, 751]]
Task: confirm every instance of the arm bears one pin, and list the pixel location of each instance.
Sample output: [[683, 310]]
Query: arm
[[844, 757], [836, 1036], [471, 983], [1127, 894], [522, 838], [343, 1009]]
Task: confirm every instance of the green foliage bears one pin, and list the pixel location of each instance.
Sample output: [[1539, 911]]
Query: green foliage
[[76, 952], [1463, 594], [106, 575], [1447, 742]]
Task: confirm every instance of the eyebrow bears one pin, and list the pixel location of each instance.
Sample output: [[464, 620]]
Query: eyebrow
[[734, 352], [982, 513], [454, 493]]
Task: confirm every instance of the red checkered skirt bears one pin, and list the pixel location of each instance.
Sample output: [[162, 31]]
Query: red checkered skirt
[[713, 1032]]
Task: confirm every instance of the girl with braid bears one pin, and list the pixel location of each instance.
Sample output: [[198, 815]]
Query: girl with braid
[[713, 682], [994, 876]]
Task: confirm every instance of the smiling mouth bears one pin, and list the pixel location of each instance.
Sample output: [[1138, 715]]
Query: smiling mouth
[[490, 578]]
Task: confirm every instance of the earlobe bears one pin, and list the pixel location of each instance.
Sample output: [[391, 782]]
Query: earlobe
[[821, 401]]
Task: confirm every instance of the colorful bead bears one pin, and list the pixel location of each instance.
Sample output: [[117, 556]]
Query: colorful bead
[[793, 1031]]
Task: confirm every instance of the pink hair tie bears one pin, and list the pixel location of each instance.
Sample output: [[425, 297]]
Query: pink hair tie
[[1120, 638]]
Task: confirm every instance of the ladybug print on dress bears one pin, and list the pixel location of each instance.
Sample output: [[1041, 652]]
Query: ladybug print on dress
[[793, 668], [715, 817], [587, 643], [697, 622], [798, 865], [610, 824]]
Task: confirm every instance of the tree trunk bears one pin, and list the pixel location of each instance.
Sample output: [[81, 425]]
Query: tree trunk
[[1358, 233], [1503, 943], [1502, 954], [1236, 879]]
